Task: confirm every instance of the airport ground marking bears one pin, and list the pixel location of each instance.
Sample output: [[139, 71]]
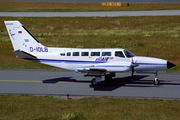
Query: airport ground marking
[[31, 81], [60, 82]]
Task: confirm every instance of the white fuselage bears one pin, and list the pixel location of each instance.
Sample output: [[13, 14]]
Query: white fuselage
[[72, 59]]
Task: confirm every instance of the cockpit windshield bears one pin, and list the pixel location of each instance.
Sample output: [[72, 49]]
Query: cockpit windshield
[[128, 54]]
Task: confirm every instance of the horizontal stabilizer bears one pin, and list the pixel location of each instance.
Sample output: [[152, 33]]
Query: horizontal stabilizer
[[23, 55]]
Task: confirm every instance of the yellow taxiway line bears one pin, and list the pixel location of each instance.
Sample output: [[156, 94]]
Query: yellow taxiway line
[[61, 82], [19, 81], [31, 81]]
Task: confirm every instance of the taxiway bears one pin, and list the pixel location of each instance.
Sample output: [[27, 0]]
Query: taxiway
[[92, 14], [61, 83]]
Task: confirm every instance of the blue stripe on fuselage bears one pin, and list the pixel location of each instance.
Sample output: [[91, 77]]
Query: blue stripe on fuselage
[[65, 61]]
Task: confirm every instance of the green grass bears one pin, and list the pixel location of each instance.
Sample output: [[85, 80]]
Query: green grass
[[96, 108], [157, 35], [7, 6]]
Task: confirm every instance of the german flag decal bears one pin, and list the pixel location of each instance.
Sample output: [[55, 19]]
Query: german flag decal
[[20, 32]]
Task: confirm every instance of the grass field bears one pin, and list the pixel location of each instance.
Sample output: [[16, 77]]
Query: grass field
[[25, 107], [158, 35], [6, 6]]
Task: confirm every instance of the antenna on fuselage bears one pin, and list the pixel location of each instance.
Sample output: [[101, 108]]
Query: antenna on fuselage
[[147, 51]]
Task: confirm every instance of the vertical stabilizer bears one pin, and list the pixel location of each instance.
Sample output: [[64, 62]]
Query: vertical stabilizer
[[22, 40]]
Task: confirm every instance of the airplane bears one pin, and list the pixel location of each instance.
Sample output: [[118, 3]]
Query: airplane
[[93, 62]]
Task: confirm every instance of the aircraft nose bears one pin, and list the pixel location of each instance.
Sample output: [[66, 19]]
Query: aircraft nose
[[170, 65]]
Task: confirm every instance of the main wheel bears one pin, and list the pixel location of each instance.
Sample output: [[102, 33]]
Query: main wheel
[[108, 77], [93, 82], [156, 81]]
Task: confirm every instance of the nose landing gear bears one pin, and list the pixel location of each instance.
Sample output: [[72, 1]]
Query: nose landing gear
[[156, 81]]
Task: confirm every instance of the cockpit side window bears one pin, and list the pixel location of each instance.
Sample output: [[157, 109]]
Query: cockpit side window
[[119, 54], [128, 54]]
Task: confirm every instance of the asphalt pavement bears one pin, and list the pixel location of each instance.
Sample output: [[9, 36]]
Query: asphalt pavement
[[92, 14], [61, 83]]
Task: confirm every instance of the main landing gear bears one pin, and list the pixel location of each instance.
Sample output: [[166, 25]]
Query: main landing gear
[[97, 79], [108, 77], [93, 82]]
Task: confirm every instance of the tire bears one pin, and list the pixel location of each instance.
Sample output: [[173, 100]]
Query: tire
[[93, 82], [156, 81], [108, 77]]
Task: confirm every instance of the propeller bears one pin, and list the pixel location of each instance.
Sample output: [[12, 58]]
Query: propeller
[[133, 65]]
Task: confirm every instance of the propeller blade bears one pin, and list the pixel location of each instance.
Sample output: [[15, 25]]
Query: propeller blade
[[132, 67], [133, 64]]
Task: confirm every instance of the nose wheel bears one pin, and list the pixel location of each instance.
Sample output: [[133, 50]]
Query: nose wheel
[[156, 81]]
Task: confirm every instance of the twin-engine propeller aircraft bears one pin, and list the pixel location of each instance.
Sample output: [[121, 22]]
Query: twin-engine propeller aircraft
[[93, 62]]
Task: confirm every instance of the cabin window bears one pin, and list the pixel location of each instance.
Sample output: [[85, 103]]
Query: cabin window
[[84, 53], [75, 53], [119, 54], [68, 53], [95, 53], [106, 53], [62, 54]]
